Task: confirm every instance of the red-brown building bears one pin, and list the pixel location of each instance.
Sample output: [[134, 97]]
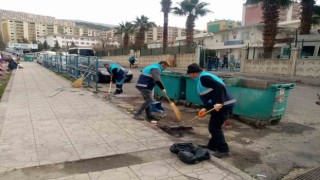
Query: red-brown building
[[252, 14]]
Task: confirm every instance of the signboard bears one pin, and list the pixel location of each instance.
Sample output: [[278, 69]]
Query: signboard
[[230, 43], [22, 46]]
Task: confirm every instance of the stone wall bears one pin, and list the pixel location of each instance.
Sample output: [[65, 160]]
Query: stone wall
[[270, 66], [179, 60], [308, 68], [290, 67]]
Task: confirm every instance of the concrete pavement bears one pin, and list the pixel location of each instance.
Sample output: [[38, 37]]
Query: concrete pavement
[[45, 134]]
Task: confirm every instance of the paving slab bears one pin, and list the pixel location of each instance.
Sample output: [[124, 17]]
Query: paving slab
[[40, 127]]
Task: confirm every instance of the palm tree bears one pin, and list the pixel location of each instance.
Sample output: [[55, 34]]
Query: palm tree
[[192, 9], [316, 15], [166, 8], [310, 14], [125, 30], [306, 16], [142, 24], [270, 18]]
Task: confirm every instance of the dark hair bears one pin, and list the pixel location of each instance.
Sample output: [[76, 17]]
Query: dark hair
[[105, 64], [194, 68], [164, 62]]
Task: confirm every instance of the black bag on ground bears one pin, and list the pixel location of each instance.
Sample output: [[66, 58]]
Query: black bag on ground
[[196, 155], [177, 147]]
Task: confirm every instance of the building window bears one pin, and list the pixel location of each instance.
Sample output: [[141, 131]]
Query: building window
[[245, 35], [225, 37], [307, 51]]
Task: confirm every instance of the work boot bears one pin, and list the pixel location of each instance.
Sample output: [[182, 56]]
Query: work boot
[[152, 117], [138, 117], [218, 154], [206, 146], [118, 92]]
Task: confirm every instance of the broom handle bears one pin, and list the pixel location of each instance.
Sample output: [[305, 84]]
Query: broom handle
[[110, 87], [167, 97], [187, 122], [87, 70], [87, 75]]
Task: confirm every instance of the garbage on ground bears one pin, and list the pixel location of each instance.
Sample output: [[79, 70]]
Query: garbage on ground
[[190, 154], [261, 175]]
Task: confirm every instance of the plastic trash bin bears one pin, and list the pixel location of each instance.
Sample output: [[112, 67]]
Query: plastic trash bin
[[174, 83], [191, 91], [259, 100], [28, 57]]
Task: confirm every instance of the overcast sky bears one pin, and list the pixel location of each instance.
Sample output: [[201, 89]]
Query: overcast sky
[[116, 11]]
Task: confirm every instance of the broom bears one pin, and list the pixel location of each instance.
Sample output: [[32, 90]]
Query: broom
[[195, 118], [78, 83], [174, 108], [107, 95]]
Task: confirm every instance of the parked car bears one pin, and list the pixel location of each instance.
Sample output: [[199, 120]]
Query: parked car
[[104, 76], [41, 55]]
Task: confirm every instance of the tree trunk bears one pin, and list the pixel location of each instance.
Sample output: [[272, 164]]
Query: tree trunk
[[165, 30], [270, 18], [141, 39], [189, 29], [306, 16], [126, 41]]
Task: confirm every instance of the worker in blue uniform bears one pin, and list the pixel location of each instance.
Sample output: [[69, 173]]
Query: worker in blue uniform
[[213, 93], [117, 74], [149, 77]]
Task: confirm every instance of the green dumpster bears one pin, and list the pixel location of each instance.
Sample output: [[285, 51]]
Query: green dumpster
[[259, 100], [191, 91], [28, 57], [174, 83]]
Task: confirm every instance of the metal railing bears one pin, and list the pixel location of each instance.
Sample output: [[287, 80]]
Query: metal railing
[[75, 67]]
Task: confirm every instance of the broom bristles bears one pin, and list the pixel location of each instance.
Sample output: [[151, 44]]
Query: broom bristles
[[176, 111], [77, 83]]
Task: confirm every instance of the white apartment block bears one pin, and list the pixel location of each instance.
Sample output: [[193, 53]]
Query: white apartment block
[[63, 40], [22, 16], [80, 41], [16, 26], [16, 31]]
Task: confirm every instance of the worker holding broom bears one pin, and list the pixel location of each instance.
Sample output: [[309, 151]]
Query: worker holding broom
[[214, 95], [149, 77], [117, 73]]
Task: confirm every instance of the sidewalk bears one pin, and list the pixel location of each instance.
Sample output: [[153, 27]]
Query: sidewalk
[[76, 135]]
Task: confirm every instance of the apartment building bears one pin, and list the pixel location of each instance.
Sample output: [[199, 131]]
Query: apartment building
[[66, 40], [19, 26], [80, 41], [16, 31], [154, 36], [27, 17]]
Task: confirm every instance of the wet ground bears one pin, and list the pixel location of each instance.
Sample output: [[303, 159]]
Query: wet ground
[[273, 151]]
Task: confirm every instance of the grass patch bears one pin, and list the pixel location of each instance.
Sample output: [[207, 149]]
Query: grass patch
[[4, 79], [69, 78]]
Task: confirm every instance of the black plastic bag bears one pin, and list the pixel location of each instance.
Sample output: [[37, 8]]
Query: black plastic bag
[[196, 155], [177, 147]]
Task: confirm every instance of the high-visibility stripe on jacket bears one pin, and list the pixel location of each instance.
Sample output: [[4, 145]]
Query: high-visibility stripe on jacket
[[145, 79], [206, 94]]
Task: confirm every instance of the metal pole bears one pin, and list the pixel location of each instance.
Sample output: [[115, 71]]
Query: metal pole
[[296, 38]]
